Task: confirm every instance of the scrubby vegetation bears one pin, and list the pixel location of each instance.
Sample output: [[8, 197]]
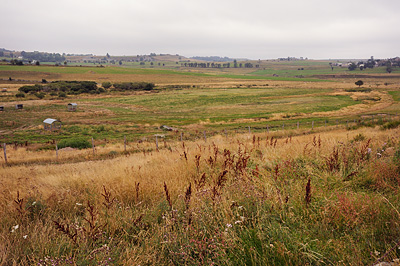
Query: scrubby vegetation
[[133, 86], [70, 87]]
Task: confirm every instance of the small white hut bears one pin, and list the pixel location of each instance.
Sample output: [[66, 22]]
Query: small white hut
[[51, 124], [72, 107]]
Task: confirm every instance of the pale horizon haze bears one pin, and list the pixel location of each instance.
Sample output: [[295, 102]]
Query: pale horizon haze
[[238, 29]]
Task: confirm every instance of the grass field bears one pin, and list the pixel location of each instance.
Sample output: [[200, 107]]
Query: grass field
[[318, 186]]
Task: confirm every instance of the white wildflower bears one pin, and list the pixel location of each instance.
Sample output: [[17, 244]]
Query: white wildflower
[[15, 227], [78, 204], [25, 236]]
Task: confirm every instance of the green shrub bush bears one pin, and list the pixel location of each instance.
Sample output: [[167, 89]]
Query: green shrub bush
[[74, 143]]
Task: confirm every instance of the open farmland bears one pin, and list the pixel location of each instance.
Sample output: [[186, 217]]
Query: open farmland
[[260, 169], [194, 100]]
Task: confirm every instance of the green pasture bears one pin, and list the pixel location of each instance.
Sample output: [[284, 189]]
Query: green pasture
[[281, 71], [395, 95], [201, 108], [186, 107]]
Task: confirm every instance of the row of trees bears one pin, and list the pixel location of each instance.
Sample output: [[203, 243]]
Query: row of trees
[[219, 65], [371, 63], [43, 57]]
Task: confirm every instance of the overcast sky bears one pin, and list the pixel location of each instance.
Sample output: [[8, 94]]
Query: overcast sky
[[255, 29]]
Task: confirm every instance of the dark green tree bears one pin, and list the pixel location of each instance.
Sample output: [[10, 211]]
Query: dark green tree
[[352, 66], [359, 83]]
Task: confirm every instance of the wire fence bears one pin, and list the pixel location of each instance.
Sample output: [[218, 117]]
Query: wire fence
[[288, 127]]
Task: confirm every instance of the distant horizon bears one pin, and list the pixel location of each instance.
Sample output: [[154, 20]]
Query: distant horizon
[[318, 30], [177, 54]]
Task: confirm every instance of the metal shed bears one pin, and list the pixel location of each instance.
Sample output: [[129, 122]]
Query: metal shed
[[51, 124], [72, 107]]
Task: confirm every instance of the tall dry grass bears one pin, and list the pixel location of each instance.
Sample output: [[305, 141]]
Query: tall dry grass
[[271, 199]]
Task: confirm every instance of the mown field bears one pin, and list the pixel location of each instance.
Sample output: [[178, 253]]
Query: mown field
[[269, 171]]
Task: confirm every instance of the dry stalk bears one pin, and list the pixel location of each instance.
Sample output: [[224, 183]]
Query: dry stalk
[[20, 203], [65, 229], [201, 182], [108, 201], [188, 195], [220, 183], [167, 195], [197, 161], [94, 230], [308, 192], [137, 191]]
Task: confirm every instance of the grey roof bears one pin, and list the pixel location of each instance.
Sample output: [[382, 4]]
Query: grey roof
[[74, 104], [50, 121]]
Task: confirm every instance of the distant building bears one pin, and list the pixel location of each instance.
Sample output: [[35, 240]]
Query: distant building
[[72, 107], [19, 106]]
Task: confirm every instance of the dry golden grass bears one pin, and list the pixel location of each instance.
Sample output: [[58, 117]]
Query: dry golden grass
[[151, 169]]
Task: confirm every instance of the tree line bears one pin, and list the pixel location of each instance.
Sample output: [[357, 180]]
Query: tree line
[[235, 64]]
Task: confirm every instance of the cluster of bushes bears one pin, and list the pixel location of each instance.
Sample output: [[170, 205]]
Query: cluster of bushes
[[60, 88], [133, 86]]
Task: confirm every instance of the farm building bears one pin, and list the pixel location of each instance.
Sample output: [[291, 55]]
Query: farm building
[[72, 107], [19, 106], [1, 108], [51, 124]]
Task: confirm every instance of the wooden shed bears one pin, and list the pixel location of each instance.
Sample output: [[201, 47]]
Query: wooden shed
[[72, 107], [51, 124]]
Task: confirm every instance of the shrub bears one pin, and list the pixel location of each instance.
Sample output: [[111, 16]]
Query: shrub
[[390, 125], [62, 95], [74, 143], [34, 88], [20, 95], [134, 86], [106, 85], [40, 95]]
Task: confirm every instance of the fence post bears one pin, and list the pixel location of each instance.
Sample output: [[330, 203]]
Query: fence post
[[156, 142], [267, 129], [56, 151], [226, 134], [283, 126], [93, 145], [205, 137], [5, 152], [181, 136], [125, 143], [249, 130]]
